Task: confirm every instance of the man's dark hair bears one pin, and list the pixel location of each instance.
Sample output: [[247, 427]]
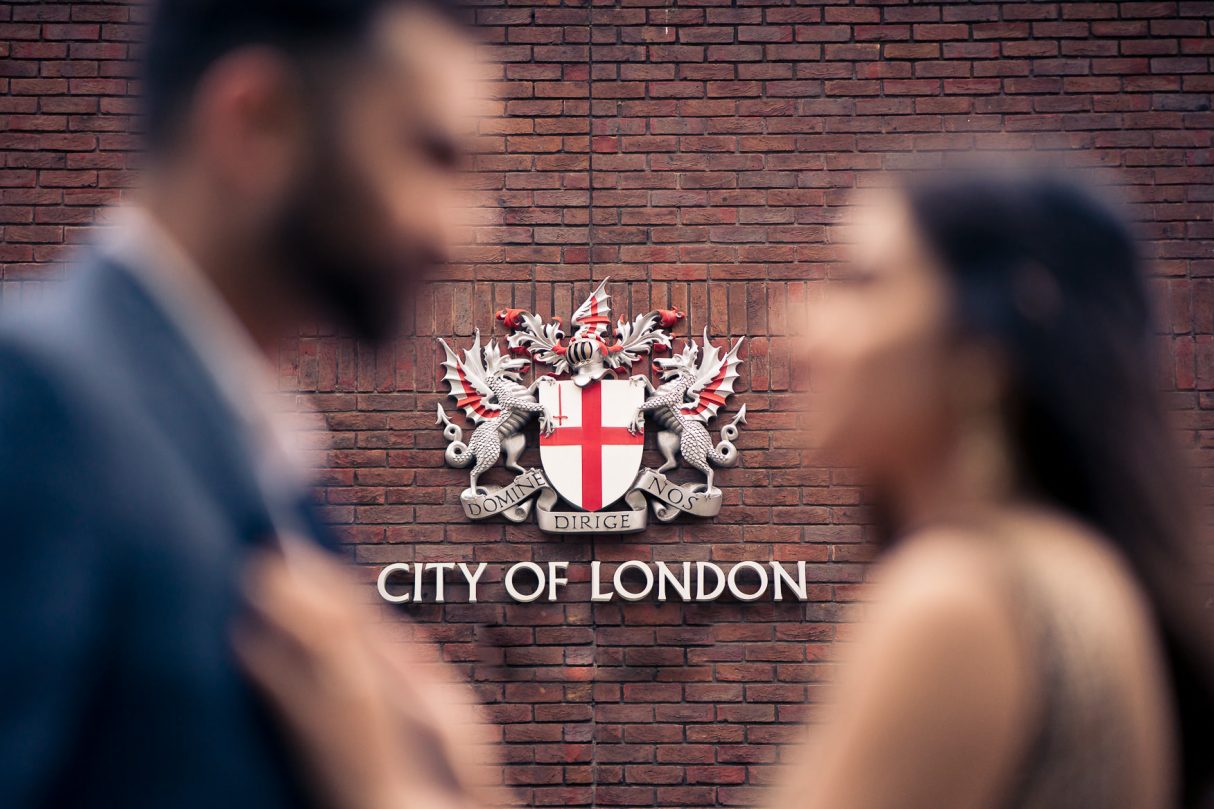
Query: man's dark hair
[[187, 36]]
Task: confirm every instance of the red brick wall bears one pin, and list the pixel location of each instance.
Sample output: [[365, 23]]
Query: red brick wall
[[695, 152]]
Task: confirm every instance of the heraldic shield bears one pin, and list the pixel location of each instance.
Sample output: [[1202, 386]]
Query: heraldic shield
[[591, 457]]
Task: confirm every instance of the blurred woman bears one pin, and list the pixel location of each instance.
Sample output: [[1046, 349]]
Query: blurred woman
[[985, 362]]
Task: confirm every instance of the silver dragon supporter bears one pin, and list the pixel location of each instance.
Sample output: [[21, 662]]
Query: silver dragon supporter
[[591, 422], [690, 394], [498, 403]]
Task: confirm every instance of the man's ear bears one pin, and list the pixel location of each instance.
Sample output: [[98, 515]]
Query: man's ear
[[248, 117]]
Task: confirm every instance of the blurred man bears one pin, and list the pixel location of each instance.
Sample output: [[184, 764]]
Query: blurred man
[[297, 166]]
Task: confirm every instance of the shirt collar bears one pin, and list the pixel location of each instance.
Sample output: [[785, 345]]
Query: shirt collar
[[244, 375]]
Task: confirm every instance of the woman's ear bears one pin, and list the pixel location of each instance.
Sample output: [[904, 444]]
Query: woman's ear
[[980, 378], [984, 457]]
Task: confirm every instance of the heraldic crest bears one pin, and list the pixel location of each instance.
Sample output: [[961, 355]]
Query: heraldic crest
[[591, 423]]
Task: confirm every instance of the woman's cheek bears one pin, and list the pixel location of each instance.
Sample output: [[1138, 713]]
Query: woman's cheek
[[841, 387]]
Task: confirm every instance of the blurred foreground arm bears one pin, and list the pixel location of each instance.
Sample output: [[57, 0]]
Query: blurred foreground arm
[[933, 711], [377, 725]]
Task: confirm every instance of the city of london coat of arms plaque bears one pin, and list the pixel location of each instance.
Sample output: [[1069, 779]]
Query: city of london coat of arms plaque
[[591, 421]]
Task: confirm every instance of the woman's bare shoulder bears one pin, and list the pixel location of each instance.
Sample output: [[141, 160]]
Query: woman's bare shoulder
[[946, 585], [998, 581], [942, 697], [1072, 559], [940, 598], [941, 565], [1086, 580], [937, 698], [980, 558]]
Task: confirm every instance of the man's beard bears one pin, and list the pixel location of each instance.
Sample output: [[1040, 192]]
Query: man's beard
[[330, 262]]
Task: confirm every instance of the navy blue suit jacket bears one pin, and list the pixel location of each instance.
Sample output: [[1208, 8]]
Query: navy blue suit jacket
[[127, 506]]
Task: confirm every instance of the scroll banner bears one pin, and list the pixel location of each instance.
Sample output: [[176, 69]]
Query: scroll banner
[[591, 522], [692, 498], [513, 501]]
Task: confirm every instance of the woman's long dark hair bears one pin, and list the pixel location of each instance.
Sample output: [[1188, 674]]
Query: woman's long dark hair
[[1051, 278]]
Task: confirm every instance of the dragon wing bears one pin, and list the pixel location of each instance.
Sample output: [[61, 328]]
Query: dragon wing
[[593, 316], [714, 380], [636, 338], [466, 381]]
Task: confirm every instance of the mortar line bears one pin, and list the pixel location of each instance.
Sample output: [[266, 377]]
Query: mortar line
[[590, 242]]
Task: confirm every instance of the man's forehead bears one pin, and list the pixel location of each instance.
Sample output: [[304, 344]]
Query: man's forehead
[[431, 60]]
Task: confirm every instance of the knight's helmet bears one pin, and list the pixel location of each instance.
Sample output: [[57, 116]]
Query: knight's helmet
[[585, 356]]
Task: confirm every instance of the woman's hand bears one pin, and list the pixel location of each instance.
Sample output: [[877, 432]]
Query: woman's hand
[[376, 726]]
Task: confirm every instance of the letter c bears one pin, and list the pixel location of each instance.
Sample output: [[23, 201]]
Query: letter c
[[382, 583]]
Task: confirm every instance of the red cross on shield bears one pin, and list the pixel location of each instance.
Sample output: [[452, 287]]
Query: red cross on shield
[[591, 458]]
